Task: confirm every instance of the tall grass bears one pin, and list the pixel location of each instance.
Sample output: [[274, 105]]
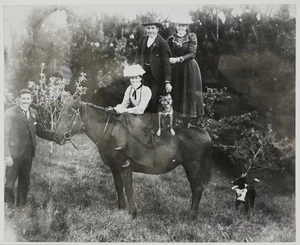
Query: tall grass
[[72, 199]]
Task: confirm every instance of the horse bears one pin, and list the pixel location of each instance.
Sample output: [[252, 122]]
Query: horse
[[190, 147]]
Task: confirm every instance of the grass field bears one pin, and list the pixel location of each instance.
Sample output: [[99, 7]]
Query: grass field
[[72, 199]]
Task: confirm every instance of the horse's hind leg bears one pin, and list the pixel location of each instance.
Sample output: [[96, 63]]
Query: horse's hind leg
[[128, 184], [196, 184], [120, 189]]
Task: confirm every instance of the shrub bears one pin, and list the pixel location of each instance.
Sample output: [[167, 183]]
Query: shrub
[[245, 141], [49, 98]]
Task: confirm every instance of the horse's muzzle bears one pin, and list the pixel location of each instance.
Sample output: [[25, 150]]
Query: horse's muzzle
[[55, 140]]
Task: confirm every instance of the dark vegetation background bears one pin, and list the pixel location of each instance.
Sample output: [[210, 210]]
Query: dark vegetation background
[[247, 60]]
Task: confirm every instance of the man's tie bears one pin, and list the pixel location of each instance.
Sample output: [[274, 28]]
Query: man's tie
[[26, 113]]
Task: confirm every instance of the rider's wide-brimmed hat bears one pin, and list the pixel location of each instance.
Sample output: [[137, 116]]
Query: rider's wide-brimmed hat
[[133, 71], [182, 19], [152, 20]]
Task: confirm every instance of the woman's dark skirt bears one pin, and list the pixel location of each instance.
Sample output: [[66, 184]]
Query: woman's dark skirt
[[133, 135], [187, 89]]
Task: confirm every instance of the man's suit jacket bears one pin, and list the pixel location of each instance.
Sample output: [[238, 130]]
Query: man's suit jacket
[[159, 58], [20, 131]]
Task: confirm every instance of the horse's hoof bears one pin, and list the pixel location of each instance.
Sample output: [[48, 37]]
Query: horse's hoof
[[192, 216], [158, 133], [172, 132], [122, 207]]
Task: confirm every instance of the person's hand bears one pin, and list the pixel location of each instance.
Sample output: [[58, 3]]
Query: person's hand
[[8, 161], [168, 87], [120, 110], [110, 108], [173, 60]]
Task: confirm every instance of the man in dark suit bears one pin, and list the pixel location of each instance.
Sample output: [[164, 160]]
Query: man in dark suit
[[153, 55], [21, 124]]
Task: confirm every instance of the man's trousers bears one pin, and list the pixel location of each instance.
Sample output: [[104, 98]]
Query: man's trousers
[[19, 171]]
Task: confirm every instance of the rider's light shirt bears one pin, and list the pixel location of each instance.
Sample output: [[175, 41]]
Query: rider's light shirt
[[140, 100]]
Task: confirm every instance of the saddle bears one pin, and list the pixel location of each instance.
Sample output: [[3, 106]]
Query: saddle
[[135, 135]]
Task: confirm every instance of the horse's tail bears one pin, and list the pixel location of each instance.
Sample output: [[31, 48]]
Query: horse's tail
[[206, 164]]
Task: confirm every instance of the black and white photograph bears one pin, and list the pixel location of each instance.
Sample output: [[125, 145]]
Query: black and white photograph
[[152, 121]]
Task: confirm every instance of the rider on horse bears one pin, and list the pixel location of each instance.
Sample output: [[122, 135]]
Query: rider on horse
[[133, 128]]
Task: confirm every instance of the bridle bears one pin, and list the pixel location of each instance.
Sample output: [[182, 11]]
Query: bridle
[[68, 134]]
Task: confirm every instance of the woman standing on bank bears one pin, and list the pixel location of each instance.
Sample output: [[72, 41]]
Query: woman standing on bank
[[186, 77]]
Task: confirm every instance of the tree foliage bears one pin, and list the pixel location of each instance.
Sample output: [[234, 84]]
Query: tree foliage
[[99, 44], [49, 98]]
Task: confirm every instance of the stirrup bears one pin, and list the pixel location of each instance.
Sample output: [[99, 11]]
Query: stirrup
[[118, 148]]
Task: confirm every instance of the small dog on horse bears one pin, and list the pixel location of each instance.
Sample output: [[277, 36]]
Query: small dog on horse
[[165, 108], [245, 192]]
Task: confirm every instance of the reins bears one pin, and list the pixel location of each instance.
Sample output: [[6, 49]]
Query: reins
[[106, 124]]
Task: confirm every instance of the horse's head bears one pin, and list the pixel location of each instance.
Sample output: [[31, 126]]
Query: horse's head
[[69, 122]]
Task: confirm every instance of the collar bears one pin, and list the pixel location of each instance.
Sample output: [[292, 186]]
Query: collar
[[137, 87], [182, 35], [24, 109], [179, 40], [152, 38]]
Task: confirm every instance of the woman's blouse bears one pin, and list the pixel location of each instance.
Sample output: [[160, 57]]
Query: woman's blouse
[[184, 47], [139, 101]]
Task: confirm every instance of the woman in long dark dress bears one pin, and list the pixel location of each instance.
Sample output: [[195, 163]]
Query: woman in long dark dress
[[186, 76]]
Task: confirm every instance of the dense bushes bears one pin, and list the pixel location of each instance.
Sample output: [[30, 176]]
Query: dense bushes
[[243, 140]]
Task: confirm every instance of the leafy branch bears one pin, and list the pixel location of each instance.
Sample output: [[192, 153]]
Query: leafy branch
[[49, 97]]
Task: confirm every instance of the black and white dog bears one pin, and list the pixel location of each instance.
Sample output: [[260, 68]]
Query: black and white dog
[[245, 192], [165, 108]]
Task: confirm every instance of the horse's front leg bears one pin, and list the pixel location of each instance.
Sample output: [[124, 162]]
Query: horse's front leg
[[128, 184], [119, 188]]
